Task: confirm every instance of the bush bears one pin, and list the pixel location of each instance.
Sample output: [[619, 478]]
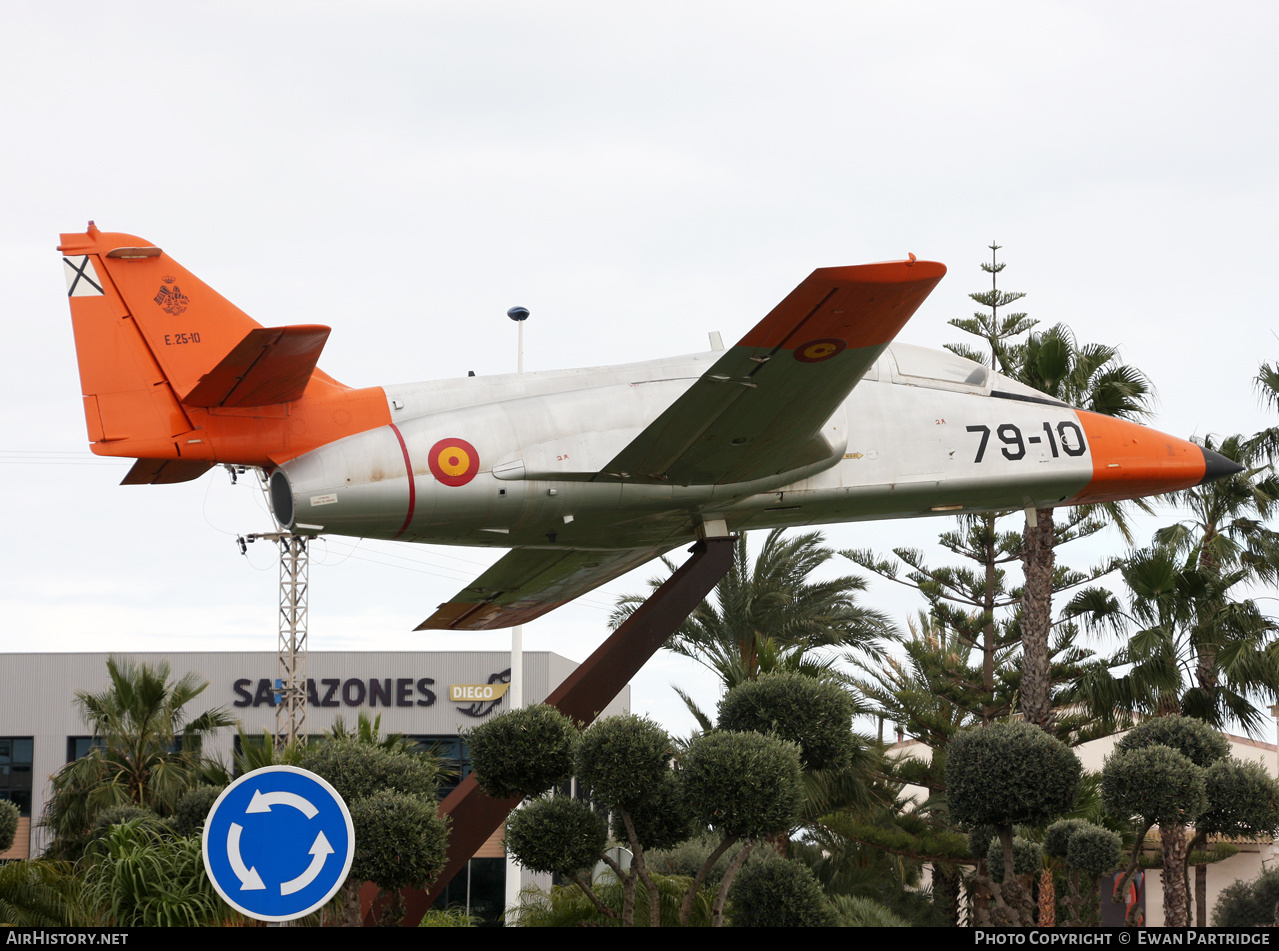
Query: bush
[[1155, 782], [662, 820], [779, 894], [401, 839], [1009, 773], [852, 911], [624, 759], [523, 752], [1243, 800], [357, 769], [560, 835], [193, 808], [1085, 846], [713, 771], [1248, 904], [1192, 738], [1095, 850], [1057, 836], [816, 714], [1028, 858], [455, 917], [9, 815]]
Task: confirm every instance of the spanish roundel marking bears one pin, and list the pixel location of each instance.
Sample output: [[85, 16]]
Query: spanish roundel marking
[[454, 461], [816, 351]]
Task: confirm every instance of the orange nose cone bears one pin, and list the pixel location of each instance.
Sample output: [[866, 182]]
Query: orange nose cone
[[1130, 461]]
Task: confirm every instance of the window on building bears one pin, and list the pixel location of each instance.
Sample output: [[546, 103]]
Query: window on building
[[16, 756], [455, 757]]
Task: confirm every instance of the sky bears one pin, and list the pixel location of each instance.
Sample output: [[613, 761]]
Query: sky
[[637, 175]]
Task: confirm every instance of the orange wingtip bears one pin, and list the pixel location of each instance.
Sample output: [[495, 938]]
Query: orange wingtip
[[860, 305]]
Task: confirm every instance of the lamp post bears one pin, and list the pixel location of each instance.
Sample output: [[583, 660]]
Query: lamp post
[[515, 693]]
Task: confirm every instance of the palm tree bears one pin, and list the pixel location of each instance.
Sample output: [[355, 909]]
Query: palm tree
[[768, 616], [1090, 377], [149, 753], [1179, 618]]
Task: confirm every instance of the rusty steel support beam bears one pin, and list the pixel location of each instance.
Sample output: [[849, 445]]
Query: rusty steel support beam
[[582, 696]]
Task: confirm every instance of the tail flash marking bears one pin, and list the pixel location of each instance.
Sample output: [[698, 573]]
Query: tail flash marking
[[82, 278]]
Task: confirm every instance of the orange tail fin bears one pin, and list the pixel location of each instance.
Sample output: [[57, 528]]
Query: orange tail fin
[[178, 376]]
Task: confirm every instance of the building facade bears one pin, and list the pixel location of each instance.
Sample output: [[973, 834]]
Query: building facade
[[429, 696]]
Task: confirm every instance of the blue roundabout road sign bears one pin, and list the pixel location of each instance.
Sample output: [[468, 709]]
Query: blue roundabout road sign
[[278, 843]]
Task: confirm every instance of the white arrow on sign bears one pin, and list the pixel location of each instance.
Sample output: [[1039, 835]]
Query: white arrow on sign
[[262, 802], [320, 851], [249, 877]]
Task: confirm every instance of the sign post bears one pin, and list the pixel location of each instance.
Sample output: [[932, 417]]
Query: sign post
[[278, 843]]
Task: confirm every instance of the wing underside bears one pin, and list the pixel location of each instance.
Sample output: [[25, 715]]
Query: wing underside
[[528, 582]]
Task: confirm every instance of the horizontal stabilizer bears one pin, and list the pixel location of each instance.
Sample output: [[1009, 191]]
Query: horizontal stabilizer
[[528, 582], [270, 365], [165, 471]]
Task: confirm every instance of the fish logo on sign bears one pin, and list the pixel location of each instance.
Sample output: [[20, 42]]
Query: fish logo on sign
[[454, 461], [278, 843]]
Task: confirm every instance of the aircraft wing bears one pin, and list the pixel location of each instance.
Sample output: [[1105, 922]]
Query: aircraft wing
[[759, 410], [528, 582]]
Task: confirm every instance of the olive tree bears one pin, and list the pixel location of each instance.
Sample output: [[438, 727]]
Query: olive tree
[[741, 783], [1085, 849], [780, 893], [9, 816], [1157, 773], [1250, 904], [1003, 775]]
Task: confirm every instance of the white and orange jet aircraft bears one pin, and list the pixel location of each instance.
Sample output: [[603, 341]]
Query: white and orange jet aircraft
[[815, 416]]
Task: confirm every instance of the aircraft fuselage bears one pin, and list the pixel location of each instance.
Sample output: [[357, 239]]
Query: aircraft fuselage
[[902, 445]]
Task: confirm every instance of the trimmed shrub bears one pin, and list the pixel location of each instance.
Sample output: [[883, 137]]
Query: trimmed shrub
[[1154, 782], [1192, 738], [816, 714], [523, 752], [1095, 850], [1009, 773], [1028, 858], [714, 771], [624, 759], [559, 834], [779, 894], [401, 839], [1243, 800]]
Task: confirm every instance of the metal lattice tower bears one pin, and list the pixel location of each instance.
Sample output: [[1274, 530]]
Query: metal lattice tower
[[295, 570], [290, 710]]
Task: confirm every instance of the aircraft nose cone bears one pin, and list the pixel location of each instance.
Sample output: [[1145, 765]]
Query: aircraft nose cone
[[1217, 466]]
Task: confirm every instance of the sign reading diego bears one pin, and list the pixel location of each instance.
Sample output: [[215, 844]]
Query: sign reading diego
[[278, 843]]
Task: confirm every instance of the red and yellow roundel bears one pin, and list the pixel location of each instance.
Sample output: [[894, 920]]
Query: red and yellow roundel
[[816, 351], [454, 461]]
